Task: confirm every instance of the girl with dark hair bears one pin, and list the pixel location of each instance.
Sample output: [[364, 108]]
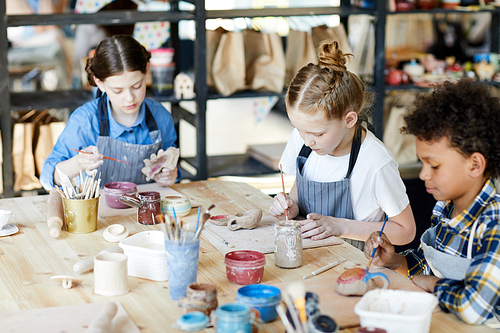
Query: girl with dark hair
[[346, 179], [121, 123]]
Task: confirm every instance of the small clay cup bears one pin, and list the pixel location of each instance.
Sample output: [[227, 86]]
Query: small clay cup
[[180, 203]]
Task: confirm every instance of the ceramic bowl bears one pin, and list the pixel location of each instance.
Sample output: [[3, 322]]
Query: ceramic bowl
[[113, 191], [5, 216], [180, 203], [115, 233]]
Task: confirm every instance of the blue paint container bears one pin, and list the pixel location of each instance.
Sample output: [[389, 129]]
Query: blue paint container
[[261, 297], [192, 321], [233, 317]]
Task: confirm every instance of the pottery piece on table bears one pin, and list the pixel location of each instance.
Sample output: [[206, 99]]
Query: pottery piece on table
[[219, 220], [163, 159], [484, 70], [115, 233], [5, 216], [245, 220], [67, 281], [357, 281]]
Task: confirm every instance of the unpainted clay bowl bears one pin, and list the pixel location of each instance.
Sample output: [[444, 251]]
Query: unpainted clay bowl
[[245, 220], [357, 281]]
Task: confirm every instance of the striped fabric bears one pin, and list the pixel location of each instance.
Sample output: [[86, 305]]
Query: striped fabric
[[473, 298]]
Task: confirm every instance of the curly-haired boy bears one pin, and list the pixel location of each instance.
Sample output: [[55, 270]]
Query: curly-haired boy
[[456, 128]]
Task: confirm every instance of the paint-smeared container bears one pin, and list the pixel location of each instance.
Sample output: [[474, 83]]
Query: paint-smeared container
[[261, 297], [245, 267], [192, 321], [233, 317], [113, 191], [288, 244]]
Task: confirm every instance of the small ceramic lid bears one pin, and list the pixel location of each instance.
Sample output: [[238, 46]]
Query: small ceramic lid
[[67, 281], [192, 321], [115, 233]]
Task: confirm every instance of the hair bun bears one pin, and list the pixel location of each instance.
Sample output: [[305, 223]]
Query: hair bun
[[331, 57]]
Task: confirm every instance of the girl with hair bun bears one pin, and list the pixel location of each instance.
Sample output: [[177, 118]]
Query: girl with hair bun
[[121, 123], [346, 179]]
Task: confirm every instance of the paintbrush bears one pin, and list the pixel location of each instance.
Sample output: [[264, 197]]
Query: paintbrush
[[281, 311], [105, 157], [297, 292], [375, 249], [204, 219], [293, 314], [161, 221], [283, 184]]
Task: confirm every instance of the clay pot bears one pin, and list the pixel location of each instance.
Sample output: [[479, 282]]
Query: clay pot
[[393, 77], [426, 4], [246, 220], [357, 281], [200, 297]]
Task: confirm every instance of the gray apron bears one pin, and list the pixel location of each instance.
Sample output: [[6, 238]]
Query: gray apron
[[112, 171], [448, 266], [328, 198]]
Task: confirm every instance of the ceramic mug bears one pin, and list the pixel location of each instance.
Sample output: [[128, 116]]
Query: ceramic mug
[[357, 281], [180, 203]]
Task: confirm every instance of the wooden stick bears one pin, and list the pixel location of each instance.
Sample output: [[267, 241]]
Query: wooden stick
[[105, 157]]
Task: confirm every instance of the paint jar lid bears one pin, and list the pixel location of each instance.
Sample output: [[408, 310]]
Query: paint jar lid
[[245, 258], [192, 321], [322, 323]]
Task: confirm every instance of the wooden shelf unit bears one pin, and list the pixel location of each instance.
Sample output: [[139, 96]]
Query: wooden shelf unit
[[73, 98]]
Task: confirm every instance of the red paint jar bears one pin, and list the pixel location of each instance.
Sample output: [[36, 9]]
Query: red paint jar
[[151, 206], [245, 267]]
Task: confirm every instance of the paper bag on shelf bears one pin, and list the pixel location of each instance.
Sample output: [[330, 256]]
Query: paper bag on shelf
[[22, 157], [402, 146], [228, 65], [48, 133], [300, 51], [265, 61], [338, 34]]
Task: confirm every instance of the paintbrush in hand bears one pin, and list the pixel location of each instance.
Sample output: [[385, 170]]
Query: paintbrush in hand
[[204, 218], [283, 184], [375, 249]]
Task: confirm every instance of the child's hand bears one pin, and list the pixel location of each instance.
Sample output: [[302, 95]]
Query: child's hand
[[385, 254], [166, 177], [282, 202], [426, 282], [90, 161], [319, 226]]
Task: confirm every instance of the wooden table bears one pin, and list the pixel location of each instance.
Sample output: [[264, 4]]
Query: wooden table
[[29, 258]]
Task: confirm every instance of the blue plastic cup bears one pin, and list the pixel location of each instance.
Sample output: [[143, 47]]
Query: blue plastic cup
[[182, 263]]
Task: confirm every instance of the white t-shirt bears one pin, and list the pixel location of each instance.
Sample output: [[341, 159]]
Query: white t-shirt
[[376, 185]]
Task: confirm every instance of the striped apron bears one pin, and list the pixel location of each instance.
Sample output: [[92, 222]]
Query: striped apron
[[112, 171], [328, 198]]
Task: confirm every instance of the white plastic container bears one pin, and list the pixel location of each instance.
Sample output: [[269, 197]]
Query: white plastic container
[[396, 311], [146, 254]]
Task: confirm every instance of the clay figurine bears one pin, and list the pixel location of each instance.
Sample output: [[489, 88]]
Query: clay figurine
[[163, 159], [183, 87], [484, 70], [357, 281], [245, 220]]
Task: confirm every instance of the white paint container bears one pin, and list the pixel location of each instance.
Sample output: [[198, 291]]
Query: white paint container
[[396, 311]]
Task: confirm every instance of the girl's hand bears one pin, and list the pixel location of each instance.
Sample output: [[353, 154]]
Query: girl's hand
[[282, 202], [90, 162], [319, 226], [426, 282], [166, 177]]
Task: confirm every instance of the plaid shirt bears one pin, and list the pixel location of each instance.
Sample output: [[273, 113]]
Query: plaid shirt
[[473, 298]]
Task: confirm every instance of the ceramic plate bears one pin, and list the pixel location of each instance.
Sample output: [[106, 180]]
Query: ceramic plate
[[8, 229]]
